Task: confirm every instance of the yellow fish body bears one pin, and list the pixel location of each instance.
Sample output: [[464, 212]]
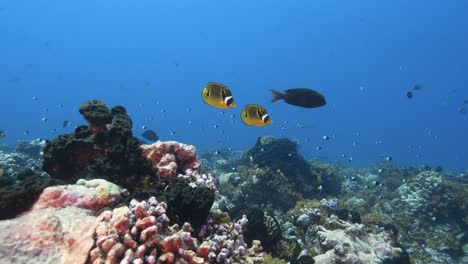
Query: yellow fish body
[[218, 95], [255, 115]]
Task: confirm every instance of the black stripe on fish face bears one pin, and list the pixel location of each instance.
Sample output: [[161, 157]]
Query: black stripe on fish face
[[265, 118], [228, 100]]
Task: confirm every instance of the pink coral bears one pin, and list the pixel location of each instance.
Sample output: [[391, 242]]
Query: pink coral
[[170, 157], [60, 227], [141, 233], [93, 195]]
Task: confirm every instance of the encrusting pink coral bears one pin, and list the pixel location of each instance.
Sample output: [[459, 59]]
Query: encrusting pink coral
[[171, 157], [60, 226]]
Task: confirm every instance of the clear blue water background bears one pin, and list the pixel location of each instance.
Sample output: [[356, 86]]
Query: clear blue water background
[[154, 58]]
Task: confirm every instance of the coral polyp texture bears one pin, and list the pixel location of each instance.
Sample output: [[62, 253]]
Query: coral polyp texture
[[344, 242], [171, 157], [141, 233]]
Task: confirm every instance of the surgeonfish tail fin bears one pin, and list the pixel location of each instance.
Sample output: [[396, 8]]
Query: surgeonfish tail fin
[[276, 96]]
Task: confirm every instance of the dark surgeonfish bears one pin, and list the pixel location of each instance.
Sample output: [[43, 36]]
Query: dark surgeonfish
[[409, 94], [417, 87], [302, 97], [150, 135]]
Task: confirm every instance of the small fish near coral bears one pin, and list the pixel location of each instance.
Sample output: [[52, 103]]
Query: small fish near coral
[[65, 123], [2, 134], [150, 135], [255, 115], [218, 95], [301, 97]]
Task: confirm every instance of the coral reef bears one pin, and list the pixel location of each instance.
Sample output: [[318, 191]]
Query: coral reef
[[93, 195], [262, 187], [98, 116], [343, 242], [185, 203], [31, 149], [103, 149], [281, 154], [60, 227], [19, 198], [327, 176], [174, 212], [171, 158], [25, 160], [262, 226], [415, 193], [425, 208], [141, 234]]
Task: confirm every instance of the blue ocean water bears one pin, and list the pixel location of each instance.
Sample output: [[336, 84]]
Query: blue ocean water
[[155, 57]]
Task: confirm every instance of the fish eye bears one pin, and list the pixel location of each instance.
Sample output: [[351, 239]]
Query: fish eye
[[265, 118]]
